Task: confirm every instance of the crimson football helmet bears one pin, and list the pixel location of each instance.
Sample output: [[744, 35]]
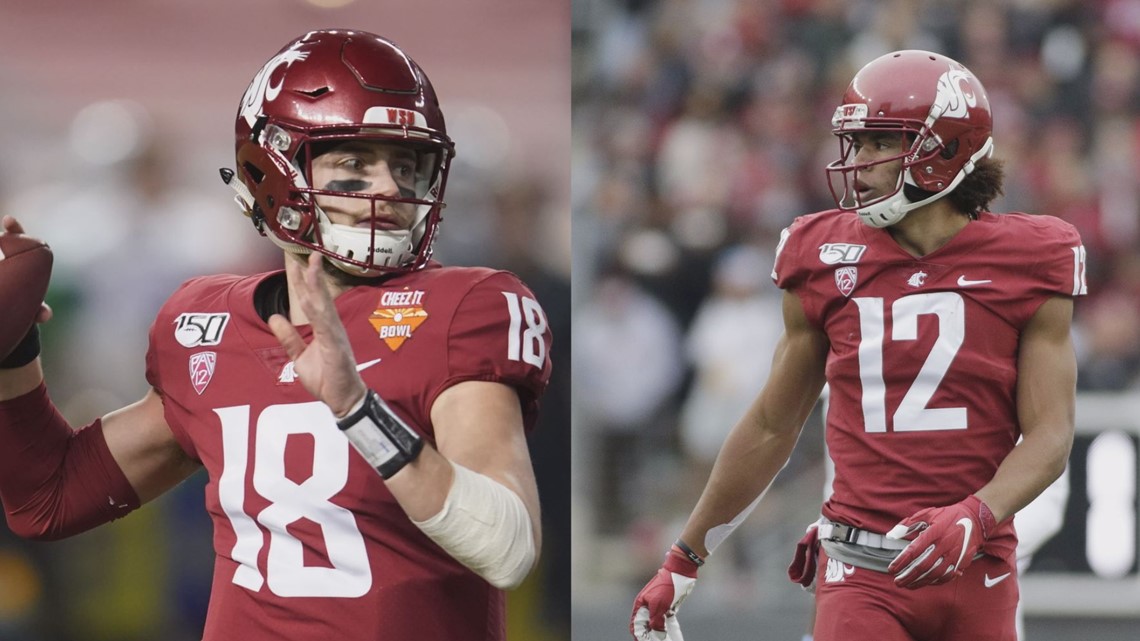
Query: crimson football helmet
[[944, 114], [320, 89]]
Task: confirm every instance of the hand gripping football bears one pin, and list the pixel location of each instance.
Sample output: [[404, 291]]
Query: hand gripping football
[[25, 270]]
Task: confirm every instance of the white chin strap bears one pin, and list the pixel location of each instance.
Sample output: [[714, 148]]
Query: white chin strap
[[894, 208], [389, 247]]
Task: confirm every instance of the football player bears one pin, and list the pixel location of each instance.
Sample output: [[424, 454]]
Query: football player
[[361, 413], [943, 332]]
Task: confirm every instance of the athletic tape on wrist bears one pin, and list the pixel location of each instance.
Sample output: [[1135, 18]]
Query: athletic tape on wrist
[[718, 533], [381, 437], [25, 352]]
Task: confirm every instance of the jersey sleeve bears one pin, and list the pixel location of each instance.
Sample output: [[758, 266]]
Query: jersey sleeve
[[160, 356], [789, 270], [796, 257], [500, 333], [1061, 266]]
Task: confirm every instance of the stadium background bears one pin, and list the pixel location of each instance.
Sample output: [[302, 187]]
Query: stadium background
[[114, 118], [700, 129]]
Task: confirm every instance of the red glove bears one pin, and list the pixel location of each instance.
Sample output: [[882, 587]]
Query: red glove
[[654, 614], [944, 541], [802, 569]]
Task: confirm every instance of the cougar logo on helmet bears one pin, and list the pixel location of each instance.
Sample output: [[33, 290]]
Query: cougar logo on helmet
[[260, 91], [954, 94]]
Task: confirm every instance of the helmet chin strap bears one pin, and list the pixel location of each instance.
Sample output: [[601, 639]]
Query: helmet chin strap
[[389, 248], [893, 209]]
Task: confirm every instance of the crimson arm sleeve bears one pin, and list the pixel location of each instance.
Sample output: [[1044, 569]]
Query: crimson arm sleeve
[[56, 482]]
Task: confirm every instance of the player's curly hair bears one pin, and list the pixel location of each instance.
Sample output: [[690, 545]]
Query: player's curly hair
[[980, 187]]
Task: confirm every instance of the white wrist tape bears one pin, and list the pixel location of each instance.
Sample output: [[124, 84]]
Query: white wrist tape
[[486, 527], [381, 437], [717, 534]]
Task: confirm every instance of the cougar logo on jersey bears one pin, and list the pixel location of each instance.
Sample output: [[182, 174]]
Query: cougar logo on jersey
[[398, 315], [260, 91], [194, 329], [917, 279], [837, 571], [845, 279], [835, 253], [288, 375], [202, 367]]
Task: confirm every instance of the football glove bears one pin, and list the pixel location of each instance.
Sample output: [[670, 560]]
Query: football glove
[[944, 542], [654, 615], [802, 569]]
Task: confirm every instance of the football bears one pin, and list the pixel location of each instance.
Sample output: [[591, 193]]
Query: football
[[25, 269]]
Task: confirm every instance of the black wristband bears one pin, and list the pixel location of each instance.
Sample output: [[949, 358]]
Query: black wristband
[[25, 352], [689, 552], [381, 437]]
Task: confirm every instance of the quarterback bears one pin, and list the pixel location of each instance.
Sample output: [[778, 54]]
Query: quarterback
[[943, 332], [361, 414]]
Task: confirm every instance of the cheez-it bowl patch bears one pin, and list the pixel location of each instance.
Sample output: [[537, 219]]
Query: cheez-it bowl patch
[[397, 316]]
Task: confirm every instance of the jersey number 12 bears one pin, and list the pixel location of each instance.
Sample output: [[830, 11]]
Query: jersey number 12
[[912, 414]]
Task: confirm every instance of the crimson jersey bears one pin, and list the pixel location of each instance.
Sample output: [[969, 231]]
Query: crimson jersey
[[309, 542], [922, 366]]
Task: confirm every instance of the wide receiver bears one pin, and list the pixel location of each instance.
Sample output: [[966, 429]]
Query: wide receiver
[[361, 414], [943, 332]]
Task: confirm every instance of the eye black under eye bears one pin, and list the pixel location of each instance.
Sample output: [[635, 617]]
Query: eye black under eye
[[347, 185]]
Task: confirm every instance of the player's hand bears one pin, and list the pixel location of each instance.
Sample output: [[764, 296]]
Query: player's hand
[[12, 226], [655, 608], [325, 366], [944, 541]]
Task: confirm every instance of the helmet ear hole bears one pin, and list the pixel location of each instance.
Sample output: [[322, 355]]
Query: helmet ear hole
[[255, 174], [950, 150]]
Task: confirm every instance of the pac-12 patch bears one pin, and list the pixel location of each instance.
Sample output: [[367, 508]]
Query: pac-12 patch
[[202, 366]]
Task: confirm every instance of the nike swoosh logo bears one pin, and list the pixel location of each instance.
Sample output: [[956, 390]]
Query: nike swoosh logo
[[967, 529], [363, 366], [994, 581], [962, 282]]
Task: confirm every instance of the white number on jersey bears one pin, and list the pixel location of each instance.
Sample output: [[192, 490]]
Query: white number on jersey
[[1080, 286], [529, 344], [912, 414], [289, 502]]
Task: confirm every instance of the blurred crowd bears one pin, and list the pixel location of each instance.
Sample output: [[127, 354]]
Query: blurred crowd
[[128, 222], [702, 128]]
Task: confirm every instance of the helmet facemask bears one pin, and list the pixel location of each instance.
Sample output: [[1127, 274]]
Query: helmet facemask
[[300, 225]]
